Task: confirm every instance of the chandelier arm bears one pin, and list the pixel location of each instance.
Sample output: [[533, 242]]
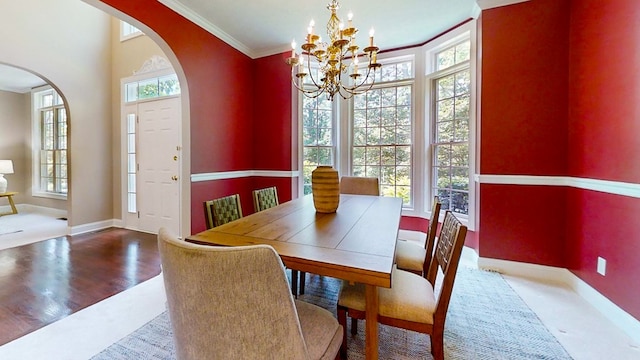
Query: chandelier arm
[[355, 87], [311, 72], [308, 93]]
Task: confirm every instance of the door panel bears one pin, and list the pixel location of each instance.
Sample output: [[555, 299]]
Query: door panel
[[159, 165]]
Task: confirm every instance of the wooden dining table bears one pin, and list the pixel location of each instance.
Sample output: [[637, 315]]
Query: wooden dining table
[[356, 243]]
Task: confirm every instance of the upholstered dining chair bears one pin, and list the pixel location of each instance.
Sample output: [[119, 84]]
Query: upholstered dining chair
[[412, 303], [234, 302], [357, 185], [267, 198], [222, 210], [413, 256]]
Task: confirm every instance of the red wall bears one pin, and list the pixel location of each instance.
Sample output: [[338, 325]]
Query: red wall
[[604, 78], [232, 129], [524, 89], [604, 90], [523, 127], [560, 96], [606, 225], [559, 93], [272, 130]]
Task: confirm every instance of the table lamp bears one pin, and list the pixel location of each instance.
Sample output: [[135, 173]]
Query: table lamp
[[6, 167]]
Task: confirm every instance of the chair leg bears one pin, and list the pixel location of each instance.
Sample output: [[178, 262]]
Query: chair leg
[[294, 283], [354, 326], [342, 320], [437, 344], [303, 280]]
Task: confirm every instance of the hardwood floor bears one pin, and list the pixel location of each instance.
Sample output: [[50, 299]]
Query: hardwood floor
[[46, 281]]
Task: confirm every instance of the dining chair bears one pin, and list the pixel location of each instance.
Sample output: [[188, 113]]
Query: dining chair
[[415, 257], [222, 210], [267, 198], [358, 185], [234, 302], [412, 302]]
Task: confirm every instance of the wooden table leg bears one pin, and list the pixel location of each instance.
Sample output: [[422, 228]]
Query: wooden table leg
[[371, 334], [13, 206]]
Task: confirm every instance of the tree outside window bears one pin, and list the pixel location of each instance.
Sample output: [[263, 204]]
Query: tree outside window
[[318, 137], [450, 171]]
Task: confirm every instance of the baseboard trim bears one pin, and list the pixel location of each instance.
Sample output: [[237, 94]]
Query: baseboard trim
[[95, 226], [622, 319]]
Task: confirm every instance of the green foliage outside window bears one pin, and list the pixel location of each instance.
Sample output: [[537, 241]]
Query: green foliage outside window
[[317, 137], [382, 135], [451, 131]]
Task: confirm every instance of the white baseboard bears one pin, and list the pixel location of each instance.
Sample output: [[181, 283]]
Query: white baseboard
[[99, 225], [549, 274]]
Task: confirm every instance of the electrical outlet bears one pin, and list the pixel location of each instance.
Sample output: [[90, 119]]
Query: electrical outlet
[[602, 266]]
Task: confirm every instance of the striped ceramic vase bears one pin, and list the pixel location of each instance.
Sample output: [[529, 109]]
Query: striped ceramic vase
[[325, 186]]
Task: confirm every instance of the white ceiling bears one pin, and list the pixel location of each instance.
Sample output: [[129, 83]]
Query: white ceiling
[[264, 27], [17, 80]]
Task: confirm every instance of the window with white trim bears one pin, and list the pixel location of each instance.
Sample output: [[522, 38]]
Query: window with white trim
[[318, 144], [415, 133], [450, 134], [382, 131], [128, 31], [132, 164], [50, 135]]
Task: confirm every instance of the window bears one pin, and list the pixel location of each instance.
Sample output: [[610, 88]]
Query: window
[[318, 137], [132, 165], [450, 140], [415, 133], [128, 31], [382, 131], [152, 88], [50, 135]]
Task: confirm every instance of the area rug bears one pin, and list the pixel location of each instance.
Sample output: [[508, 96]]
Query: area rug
[[486, 320]]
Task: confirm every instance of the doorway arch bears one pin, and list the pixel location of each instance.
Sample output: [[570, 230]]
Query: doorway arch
[[185, 168]]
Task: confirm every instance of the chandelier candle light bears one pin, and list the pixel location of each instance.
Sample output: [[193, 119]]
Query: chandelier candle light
[[337, 75]]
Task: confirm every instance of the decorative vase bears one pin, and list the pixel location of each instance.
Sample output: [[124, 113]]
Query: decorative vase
[[325, 187]]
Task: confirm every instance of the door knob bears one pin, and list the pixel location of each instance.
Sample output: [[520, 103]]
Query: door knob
[[174, 178], [175, 158]]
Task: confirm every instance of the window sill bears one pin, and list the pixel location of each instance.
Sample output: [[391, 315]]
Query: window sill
[[49, 195]]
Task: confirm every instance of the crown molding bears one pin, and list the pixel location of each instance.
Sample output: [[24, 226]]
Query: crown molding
[[208, 26], [490, 4], [476, 11]]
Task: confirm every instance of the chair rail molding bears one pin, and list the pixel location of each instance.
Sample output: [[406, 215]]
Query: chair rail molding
[[606, 186], [222, 175]]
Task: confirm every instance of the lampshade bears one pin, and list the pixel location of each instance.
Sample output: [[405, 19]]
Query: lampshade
[[6, 167]]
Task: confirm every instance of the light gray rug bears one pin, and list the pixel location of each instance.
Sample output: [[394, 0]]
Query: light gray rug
[[486, 320]]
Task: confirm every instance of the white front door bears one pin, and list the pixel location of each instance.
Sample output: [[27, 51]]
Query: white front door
[[158, 153]]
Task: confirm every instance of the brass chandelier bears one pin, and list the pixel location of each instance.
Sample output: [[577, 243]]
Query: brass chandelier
[[336, 74]]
